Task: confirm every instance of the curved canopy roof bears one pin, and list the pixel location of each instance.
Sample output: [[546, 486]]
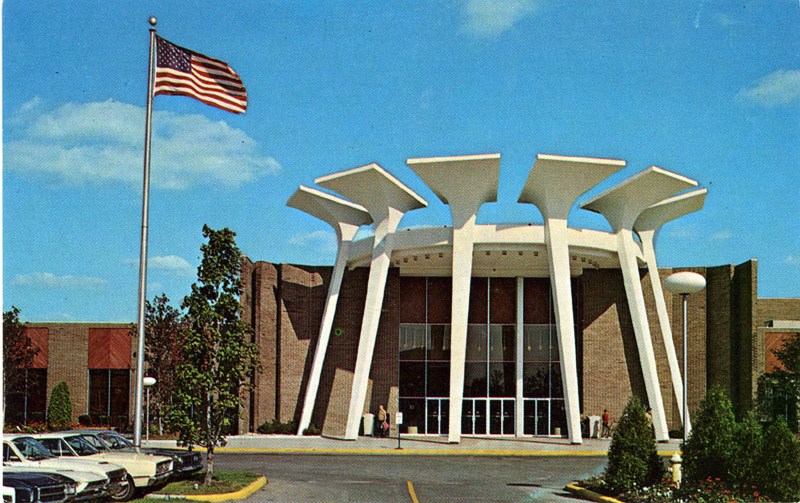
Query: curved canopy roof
[[623, 203]]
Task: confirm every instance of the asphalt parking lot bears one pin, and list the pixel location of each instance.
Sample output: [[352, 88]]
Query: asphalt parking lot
[[423, 479]]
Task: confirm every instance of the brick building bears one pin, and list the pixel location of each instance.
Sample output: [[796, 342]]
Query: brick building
[[471, 329], [96, 360]]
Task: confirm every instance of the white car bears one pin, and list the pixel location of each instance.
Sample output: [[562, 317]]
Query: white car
[[94, 479], [144, 470]]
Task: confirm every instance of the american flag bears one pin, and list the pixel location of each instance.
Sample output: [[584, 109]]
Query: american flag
[[183, 72]]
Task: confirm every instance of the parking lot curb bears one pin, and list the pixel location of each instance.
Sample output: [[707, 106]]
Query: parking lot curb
[[408, 452], [243, 493], [589, 495]]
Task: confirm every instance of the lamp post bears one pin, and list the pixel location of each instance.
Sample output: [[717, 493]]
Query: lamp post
[[683, 284], [148, 383]]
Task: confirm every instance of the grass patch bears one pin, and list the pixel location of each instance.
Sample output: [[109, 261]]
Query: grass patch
[[223, 482]]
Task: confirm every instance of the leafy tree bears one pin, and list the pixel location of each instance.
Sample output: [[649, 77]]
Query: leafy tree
[[779, 392], [59, 412], [749, 445], [778, 396], [710, 450], [632, 457], [164, 329], [778, 466], [789, 355], [217, 359], [18, 352]]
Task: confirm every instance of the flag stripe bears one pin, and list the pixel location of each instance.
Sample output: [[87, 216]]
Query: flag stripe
[[218, 103], [170, 78], [219, 99], [182, 72]]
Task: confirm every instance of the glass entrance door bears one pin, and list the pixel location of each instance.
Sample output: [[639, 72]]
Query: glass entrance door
[[438, 416], [537, 416], [502, 416], [473, 416]]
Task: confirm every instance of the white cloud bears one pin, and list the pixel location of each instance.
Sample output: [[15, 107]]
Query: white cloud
[[793, 260], [104, 142], [325, 241], [50, 280], [724, 19], [171, 264], [778, 88], [683, 231], [489, 18], [31, 104], [721, 235]]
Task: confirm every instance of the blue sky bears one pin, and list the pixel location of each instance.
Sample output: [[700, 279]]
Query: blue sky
[[709, 89]]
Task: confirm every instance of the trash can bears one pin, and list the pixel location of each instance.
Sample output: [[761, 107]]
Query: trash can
[[369, 424], [594, 426]]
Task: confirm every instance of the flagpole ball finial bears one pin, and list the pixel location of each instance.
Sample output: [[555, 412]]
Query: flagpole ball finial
[[153, 21]]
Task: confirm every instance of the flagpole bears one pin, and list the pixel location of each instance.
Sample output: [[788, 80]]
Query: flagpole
[[137, 404]]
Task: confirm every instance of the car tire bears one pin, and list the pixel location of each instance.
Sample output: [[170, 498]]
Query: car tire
[[125, 495]]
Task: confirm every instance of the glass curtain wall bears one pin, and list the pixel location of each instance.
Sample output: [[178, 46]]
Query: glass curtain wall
[[490, 367], [541, 375], [28, 404], [425, 355]]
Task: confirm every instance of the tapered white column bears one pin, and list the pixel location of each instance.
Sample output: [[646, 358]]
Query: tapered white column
[[554, 183], [519, 428], [628, 263], [378, 272], [345, 218], [561, 285], [465, 183], [622, 205], [647, 226], [387, 200], [463, 244]]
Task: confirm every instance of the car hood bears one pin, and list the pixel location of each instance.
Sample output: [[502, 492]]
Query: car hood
[[83, 464], [137, 464], [76, 475]]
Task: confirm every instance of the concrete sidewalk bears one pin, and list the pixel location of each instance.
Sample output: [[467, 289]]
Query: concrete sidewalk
[[417, 445]]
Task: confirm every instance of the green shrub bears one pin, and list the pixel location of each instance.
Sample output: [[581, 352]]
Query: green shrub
[[778, 466], [312, 430], [747, 449], [633, 458], [59, 413], [275, 427], [711, 448]]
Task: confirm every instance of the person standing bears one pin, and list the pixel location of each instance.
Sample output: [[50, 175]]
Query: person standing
[[606, 424], [383, 425]]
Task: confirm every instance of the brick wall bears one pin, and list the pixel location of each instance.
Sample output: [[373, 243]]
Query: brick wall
[[723, 342], [67, 358], [302, 293], [776, 309], [744, 335], [719, 355], [610, 359]]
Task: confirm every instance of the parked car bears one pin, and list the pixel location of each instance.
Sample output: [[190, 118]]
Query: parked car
[[33, 487], [184, 462], [144, 470], [89, 487], [92, 476]]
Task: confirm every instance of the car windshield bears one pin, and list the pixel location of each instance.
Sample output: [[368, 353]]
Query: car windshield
[[31, 449], [96, 442], [114, 441], [81, 446]]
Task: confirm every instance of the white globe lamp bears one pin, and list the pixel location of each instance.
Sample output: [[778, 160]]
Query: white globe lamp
[[683, 284]]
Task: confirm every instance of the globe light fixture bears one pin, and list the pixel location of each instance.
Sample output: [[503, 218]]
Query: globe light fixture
[[684, 284]]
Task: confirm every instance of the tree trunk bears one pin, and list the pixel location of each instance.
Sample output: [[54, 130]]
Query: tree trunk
[[209, 465]]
